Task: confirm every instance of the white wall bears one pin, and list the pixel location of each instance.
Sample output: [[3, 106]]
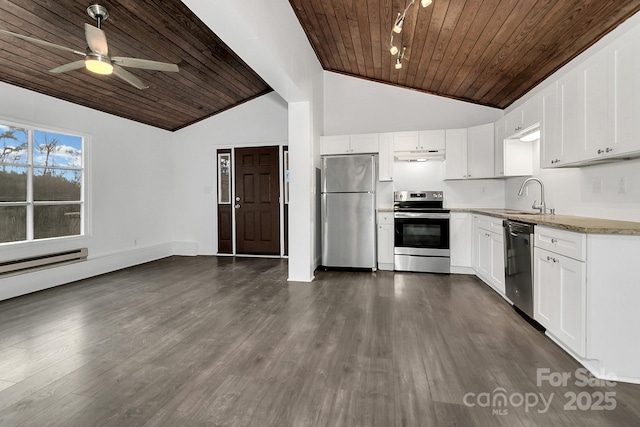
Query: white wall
[[131, 190], [353, 105], [262, 121]]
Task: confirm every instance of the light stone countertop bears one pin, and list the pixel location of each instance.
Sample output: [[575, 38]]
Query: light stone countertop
[[581, 224], [385, 210]]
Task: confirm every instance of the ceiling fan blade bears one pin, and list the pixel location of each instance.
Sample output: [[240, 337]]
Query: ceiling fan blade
[[128, 77], [145, 64], [68, 67], [42, 42], [96, 39]]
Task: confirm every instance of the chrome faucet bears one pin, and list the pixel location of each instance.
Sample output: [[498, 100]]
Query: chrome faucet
[[542, 206]]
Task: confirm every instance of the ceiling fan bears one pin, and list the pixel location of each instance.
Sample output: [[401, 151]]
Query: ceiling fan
[[96, 57]]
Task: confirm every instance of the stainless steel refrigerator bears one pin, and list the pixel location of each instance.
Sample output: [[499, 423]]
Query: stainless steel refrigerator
[[349, 211]]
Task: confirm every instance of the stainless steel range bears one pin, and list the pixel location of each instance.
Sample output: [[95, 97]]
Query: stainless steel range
[[421, 232]]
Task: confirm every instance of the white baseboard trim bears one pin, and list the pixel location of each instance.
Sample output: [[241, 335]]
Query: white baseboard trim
[[462, 270], [27, 283], [185, 248]]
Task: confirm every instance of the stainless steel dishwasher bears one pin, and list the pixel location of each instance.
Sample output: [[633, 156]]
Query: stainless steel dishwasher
[[518, 262]]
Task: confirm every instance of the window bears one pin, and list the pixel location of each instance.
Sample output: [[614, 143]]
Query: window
[[224, 178], [41, 184]]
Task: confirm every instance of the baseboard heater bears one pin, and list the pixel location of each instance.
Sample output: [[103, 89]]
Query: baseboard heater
[[42, 261]]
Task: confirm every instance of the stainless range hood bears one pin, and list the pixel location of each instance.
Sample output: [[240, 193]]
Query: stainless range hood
[[419, 156]]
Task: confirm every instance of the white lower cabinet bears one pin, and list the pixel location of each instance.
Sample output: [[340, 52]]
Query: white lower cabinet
[[560, 292], [385, 241], [488, 254], [461, 232]]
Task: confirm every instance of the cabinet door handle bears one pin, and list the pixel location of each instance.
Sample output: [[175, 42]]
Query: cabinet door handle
[[600, 151], [608, 150], [551, 259], [554, 240]]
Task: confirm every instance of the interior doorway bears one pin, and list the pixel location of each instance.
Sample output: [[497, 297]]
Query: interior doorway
[[257, 200]]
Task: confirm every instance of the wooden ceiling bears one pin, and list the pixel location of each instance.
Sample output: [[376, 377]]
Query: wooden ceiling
[[489, 52], [212, 78]]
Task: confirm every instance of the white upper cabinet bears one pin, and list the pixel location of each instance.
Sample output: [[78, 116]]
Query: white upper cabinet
[[626, 104], [598, 92], [349, 144], [572, 111], [338, 144], [523, 117], [480, 149], [470, 152], [500, 132], [550, 128], [455, 165], [365, 143], [406, 141], [599, 103], [432, 140], [426, 140]]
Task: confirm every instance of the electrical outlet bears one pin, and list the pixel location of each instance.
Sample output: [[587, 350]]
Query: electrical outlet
[[597, 186], [622, 185]]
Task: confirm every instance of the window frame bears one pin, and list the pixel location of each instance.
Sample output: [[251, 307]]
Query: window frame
[[31, 204]]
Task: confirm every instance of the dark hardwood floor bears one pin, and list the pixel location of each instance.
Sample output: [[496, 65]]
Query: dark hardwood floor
[[205, 341]]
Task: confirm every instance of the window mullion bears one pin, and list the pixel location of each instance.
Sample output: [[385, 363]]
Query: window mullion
[[30, 220]]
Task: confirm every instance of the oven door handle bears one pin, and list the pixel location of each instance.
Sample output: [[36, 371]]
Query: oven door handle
[[422, 215]]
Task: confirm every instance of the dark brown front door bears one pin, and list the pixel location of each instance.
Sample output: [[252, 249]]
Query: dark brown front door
[[257, 201]]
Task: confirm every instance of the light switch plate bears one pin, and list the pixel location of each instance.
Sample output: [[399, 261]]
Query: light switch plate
[[597, 186], [622, 185]]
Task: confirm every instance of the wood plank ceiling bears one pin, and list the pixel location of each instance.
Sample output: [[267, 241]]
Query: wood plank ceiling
[[489, 52], [212, 78]]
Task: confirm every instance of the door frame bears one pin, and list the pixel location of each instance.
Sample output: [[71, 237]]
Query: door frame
[[281, 201]]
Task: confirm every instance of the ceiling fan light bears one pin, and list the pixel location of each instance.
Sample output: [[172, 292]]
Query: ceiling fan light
[[394, 50], [98, 64], [398, 64], [425, 3]]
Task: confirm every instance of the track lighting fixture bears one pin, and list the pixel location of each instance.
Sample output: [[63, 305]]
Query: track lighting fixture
[[397, 26], [399, 59], [397, 29]]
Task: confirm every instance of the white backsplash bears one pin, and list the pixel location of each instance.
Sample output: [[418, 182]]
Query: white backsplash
[[487, 193]]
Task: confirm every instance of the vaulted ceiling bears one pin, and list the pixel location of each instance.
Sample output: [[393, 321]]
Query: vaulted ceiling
[[212, 78], [488, 52]]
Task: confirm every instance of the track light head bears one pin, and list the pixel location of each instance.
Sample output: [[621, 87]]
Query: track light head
[[393, 50], [398, 64], [425, 3], [397, 26]]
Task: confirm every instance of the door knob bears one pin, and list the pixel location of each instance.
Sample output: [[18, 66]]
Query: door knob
[[237, 199], [237, 206]]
